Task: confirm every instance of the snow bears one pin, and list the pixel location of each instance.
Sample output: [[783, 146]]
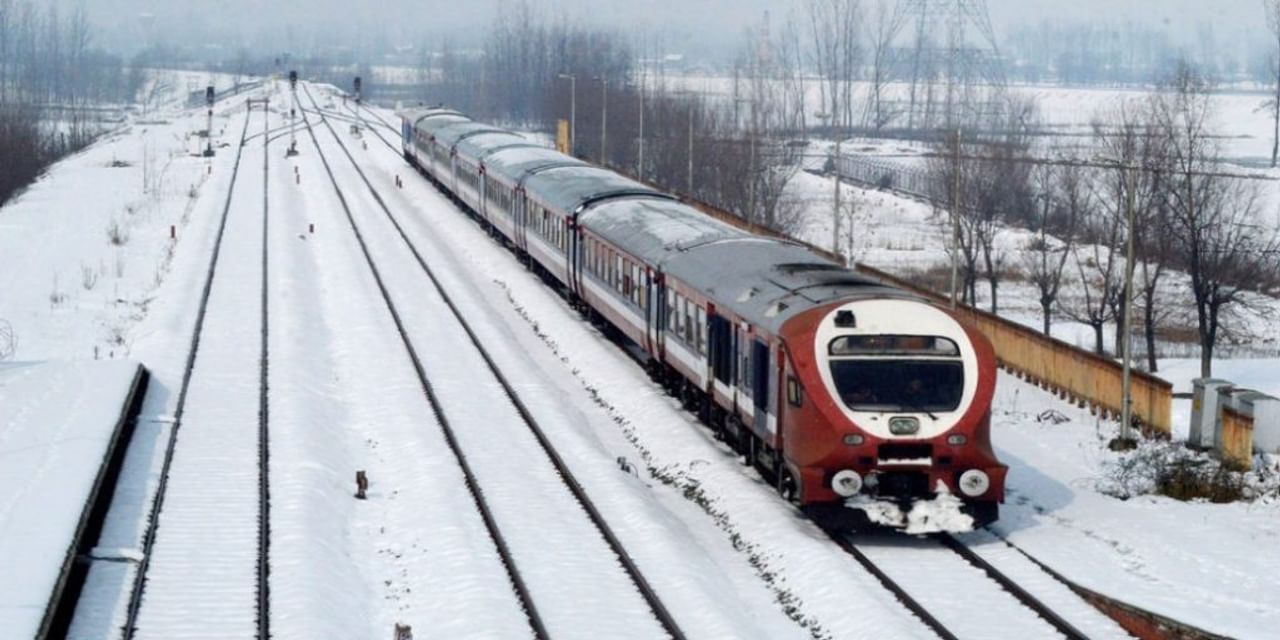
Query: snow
[[57, 424], [728, 557], [1208, 565], [941, 514]]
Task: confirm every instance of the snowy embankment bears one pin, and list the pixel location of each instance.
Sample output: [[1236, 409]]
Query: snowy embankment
[[59, 424]]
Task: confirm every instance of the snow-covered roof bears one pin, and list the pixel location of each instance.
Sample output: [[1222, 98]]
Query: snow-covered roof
[[567, 188], [478, 145], [768, 281], [451, 135], [436, 122], [415, 114], [513, 163], [654, 228]]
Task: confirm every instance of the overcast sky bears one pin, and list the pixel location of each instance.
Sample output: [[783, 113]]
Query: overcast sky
[[412, 21]]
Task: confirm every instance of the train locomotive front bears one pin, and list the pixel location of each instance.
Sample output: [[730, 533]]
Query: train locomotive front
[[889, 406]]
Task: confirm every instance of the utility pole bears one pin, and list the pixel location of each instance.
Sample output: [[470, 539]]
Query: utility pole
[[640, 155], [1127, 440], [573, 110], [604, 121], [955, 216], [835, 216], [689, 190]]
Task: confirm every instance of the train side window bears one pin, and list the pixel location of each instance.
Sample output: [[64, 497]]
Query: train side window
[[795, 394], [671, 310], [688, 324], [680, 317], [702, 331]]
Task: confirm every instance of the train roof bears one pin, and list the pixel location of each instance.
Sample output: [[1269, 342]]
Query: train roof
[[567, 188], [451, 135], [481, 144], [769, 281], [435, 122], [415, 114], [653, 229], [514, 162]]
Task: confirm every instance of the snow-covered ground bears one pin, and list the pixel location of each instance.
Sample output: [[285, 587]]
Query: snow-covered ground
[[728, 557], [57, 424]]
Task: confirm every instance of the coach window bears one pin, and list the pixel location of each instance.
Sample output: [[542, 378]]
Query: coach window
[[672, 297], [702, 331], [688, 324], [680, 317]]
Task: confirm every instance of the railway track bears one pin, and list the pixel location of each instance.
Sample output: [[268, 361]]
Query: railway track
[[491, 498], [1037, 616], [944, 582], [200, 570]]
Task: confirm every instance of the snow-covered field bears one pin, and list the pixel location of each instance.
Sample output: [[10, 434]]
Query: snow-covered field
[[728, 557]]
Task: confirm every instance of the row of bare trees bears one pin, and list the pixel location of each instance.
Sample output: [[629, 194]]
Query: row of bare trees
[[1201, 238], [50, 78]]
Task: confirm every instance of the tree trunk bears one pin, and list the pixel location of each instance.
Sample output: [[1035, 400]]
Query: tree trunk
[[1097, 338], [1275, 119], [1046, 308], [1149, 320]]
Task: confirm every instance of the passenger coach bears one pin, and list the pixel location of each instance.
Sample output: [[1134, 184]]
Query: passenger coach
[[838, 388]]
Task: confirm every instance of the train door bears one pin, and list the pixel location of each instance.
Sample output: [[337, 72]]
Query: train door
[[722, 354], [658, 313], [761, 384], [573, 257], [482, 205], [519, 207]]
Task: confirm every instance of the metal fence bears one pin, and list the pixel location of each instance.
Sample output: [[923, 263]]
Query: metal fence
[[885, 174]]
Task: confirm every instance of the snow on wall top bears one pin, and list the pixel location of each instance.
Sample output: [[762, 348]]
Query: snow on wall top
[[57, 422]]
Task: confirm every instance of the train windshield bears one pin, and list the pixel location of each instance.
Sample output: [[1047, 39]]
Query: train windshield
[[920, 386]]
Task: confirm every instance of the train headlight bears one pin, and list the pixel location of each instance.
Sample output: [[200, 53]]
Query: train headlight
[[956, 439], [847, 483], [854, 439], [904, 426], [974, 483]]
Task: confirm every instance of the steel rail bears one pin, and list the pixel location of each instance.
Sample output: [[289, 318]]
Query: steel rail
[[473, 487], [157, 503], [566, 475]]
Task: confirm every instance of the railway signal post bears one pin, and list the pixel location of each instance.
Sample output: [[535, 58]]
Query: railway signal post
[[357, 128], [293, 114], [209, 96]]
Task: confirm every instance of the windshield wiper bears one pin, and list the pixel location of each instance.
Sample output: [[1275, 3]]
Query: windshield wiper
[[918, 407]]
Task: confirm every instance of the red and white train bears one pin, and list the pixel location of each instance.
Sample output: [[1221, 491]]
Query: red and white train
[[837, 387]]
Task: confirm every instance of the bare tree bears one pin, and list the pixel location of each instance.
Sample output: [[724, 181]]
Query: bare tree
[[1064, 198], [836, 55], [1272, 10], [882, 29], [1221, 241]]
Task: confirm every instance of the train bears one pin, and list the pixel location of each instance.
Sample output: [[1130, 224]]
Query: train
[[841, 390]]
